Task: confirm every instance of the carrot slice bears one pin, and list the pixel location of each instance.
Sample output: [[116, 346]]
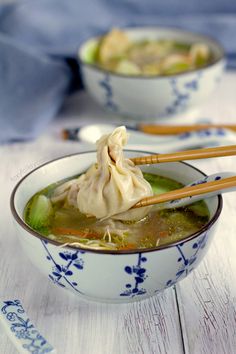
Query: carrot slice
[[163, 233], [69, 231], [129, 246]]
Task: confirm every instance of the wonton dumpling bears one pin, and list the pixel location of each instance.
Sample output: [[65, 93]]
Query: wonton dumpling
[[114, 184], [113, 44]]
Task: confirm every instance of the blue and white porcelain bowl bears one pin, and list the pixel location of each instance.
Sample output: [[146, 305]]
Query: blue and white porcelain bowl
[[109, 276], [155, 97]]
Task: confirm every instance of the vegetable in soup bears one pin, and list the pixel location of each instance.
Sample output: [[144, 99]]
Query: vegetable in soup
[[61, 221], [118, 53]]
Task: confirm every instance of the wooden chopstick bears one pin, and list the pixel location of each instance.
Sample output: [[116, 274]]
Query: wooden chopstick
[[178, 129], [220, 151], [188, 191]]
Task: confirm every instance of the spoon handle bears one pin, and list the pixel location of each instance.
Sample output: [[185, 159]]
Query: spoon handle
[[21, 330], [189, 191]]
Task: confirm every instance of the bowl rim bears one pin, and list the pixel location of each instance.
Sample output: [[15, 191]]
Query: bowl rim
[[95, 67], [36, 234]]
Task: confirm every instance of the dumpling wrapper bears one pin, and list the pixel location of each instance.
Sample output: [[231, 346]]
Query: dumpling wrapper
[[114, 184]]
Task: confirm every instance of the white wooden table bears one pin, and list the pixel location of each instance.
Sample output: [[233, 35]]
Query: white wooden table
[[197, 316]]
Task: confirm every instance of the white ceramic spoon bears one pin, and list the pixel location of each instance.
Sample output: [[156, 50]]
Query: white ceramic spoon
[[142, 141], [189, 200]]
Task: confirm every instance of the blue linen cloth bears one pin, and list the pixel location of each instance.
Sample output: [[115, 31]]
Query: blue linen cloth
[[38, 37]]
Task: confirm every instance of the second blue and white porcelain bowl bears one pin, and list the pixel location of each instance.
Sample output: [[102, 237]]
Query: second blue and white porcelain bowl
[[155, 97], [109, 276]]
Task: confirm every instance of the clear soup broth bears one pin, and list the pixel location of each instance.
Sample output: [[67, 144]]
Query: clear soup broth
[[65, 224], [118, 53]]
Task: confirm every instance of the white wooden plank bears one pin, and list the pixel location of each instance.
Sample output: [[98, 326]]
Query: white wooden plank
[[147, 327]]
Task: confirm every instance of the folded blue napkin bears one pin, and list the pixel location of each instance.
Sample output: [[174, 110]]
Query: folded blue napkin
[[32, 89], [38, 37]]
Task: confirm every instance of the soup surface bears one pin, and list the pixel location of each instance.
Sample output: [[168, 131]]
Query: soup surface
[[116, 52], [65, 224]]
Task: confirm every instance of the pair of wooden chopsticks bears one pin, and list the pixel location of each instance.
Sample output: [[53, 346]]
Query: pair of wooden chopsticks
[[178, 129], [187, 191]]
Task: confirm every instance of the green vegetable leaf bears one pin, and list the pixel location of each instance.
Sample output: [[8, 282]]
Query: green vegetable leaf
[[39, 213]]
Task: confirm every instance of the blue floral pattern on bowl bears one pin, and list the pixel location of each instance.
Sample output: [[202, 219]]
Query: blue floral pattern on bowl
[[109, 102], [138, 272], [27, 336], [182, 93], [70, 262], [187, 263]]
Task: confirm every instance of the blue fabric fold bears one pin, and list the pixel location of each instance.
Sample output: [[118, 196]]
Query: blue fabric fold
[[32, 89], [37, 38]]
